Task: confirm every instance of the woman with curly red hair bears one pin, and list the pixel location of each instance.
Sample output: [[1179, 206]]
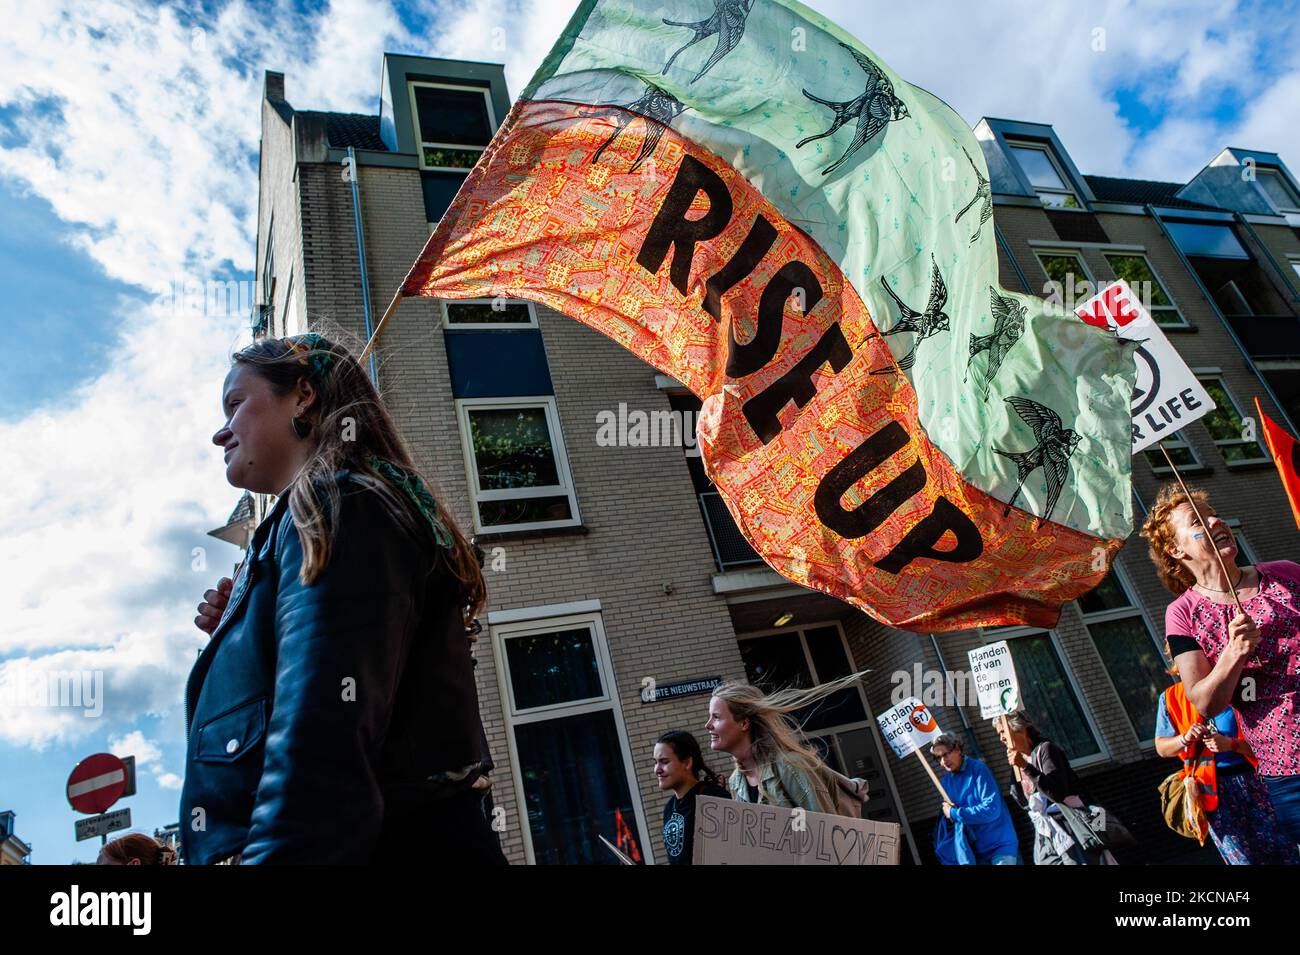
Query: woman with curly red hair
[[1243, 655]]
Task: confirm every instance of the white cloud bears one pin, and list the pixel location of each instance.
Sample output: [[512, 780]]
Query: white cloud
[[147, 755], [139, 125]]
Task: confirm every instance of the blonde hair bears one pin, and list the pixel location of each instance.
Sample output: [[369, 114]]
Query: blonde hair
[[1158, 529], [774, 736]]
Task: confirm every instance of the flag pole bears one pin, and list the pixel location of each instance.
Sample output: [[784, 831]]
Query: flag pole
[[388, 313], [1197, 511]]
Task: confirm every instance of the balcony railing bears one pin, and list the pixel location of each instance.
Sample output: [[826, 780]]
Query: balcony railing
[[1268, 336], [730, 549]]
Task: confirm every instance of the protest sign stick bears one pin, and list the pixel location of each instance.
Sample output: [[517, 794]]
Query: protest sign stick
[[374, 337], [933, 778], [1197, 511]]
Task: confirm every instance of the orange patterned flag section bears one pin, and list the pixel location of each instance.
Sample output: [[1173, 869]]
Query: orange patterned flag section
[[807, 429], [1285, 450]]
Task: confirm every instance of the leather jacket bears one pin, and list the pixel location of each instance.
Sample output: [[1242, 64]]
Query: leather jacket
[[321, 718]]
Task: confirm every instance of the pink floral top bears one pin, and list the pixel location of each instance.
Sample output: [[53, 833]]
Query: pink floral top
[[1270, 711]]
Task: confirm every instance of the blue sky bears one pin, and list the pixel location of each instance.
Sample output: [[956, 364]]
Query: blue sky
[[128, 148]]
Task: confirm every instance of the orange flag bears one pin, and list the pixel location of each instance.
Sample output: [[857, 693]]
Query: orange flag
[[1286, 455]]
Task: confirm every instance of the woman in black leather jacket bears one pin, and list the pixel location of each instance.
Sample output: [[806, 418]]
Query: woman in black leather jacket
[[333, 717]]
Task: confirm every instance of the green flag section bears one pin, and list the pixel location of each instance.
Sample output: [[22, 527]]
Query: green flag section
[[752, 202]]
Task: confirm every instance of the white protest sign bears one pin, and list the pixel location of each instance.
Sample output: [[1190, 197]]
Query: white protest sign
[[907, 726], [994, 674], [1166, 395]]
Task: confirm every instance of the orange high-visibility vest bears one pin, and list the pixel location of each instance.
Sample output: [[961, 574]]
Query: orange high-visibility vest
[[1183, 715]]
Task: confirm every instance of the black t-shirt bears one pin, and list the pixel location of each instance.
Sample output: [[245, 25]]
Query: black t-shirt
[[679, 821]]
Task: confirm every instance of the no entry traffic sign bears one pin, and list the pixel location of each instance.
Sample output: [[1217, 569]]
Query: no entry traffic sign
[[96, 783]]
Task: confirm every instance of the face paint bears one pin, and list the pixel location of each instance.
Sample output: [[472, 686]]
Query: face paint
[[1198, 535]]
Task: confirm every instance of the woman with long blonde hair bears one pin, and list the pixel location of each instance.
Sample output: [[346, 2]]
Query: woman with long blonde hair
[[773, 761]]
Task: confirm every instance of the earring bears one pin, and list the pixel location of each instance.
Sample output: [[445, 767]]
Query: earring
[[301, 427]]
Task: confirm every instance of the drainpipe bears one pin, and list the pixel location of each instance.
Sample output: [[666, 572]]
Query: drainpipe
[[1232, 332], [361, 258], [969, 733]]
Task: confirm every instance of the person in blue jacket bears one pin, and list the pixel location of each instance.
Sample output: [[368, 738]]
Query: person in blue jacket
[[976, 827]]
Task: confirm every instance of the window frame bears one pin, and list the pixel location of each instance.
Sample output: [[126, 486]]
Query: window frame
[[1284, 182], [993, 635], [268, 266], [420, 143], [1243, 543], [1178, 440], [1135, 609], [610, 702], [447, 323], [1041, 252], [1164, 288], [800, 630], [1013, 144], [463, 408], [1205, 378]]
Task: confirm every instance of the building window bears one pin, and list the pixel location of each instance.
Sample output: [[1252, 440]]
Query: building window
[[804, 658], [1206, 239], [575, 780], [268, 266], [518, 470], [1227, 426], [1135, 269], [1127, 649], [487, 314], [1180, 450], [1068, 278], [1048, 693], [1245, 552], [288, 315], [1045, 175], [1280, 193], [453, 124]]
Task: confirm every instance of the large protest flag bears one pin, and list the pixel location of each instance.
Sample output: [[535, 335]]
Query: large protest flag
[[752, 202], [1285, 450]]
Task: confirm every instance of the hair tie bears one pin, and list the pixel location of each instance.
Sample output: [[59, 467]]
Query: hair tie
[[411, 485], [312, 350]]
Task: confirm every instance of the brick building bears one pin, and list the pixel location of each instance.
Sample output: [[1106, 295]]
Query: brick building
[[615, 570]]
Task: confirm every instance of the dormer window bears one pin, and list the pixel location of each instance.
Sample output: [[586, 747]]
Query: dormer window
[[1045, 174], [1280, 192], [453, 124]]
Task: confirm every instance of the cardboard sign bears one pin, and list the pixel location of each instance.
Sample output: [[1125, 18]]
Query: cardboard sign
[[1166, 396], [907, 726], [994, 673], [742, 833]]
